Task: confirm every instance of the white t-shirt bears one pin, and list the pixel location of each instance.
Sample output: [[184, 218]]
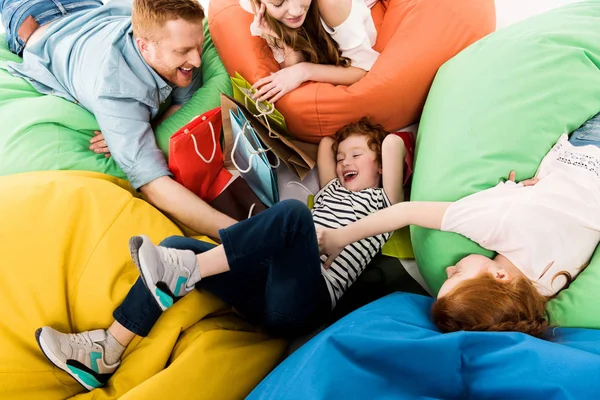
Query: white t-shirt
[[355, 37], [544, 229]]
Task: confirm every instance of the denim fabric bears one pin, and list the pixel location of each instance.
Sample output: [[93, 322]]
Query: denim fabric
[[588, 133], [91, 58], [274, 279], [14, 12]]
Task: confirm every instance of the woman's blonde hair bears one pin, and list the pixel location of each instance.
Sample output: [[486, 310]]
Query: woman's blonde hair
[[311, 38], [485, 304], [149, 16]]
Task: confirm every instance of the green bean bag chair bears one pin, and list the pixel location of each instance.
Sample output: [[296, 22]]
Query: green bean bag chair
[[500, 105], [40, 132]]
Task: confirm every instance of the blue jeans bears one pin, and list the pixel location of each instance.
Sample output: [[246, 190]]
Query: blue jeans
[[14, 12], [588, 133], [274, 279]]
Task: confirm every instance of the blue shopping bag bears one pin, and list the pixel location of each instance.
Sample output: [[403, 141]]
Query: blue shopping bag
[[250, 158]]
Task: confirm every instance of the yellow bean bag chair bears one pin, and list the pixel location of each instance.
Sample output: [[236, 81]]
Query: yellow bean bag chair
[[65, 263]]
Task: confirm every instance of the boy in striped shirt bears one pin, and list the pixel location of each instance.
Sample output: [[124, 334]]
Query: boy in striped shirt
[[268, 267]]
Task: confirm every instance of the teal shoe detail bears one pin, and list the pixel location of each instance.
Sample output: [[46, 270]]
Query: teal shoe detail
[[85, 377], [180, 282], [164, 298], [94, 357]]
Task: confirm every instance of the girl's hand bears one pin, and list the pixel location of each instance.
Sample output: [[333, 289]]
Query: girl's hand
[[261, 23], [526, 182], [280, 83], [328, 240]]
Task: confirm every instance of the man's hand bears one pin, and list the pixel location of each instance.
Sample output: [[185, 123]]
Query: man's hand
[[98, 144], [329, 240], [526, 182]]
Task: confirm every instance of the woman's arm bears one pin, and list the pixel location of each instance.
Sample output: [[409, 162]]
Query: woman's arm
[[291, 57], [273, 87], [425, 214], [393, 153], [326, 161], [331, 73]]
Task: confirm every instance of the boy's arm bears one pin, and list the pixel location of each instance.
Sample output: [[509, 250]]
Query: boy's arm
[[326, 161], [393, 153]]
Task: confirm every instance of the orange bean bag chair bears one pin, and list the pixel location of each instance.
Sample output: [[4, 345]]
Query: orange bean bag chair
[[415, 37]]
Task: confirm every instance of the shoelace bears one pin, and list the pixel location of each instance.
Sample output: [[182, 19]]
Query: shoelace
[[80, 338], [172, 257]]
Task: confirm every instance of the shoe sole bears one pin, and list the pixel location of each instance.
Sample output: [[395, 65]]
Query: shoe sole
[[59, 364], [145, 274]]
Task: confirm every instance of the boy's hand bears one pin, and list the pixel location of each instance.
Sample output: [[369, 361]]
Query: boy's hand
[[328, 240], [526, 182]]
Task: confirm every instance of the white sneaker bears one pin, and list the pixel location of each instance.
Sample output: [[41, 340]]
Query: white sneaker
[[78, 354], [165, 271]]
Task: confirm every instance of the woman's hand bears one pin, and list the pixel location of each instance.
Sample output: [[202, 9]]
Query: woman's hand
[[260, 21], [526, 182], [280, 83], [329, 244]]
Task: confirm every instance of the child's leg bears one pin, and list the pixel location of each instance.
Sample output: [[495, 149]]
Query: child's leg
[[275, 278], [267, 266], [283, 238], [588, 133], [91, 357]]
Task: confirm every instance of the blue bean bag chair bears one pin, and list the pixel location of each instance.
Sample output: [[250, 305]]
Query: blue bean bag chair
[[390, 349]]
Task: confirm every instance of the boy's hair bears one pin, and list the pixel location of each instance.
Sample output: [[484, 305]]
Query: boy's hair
[[364, 127], [149, 16], [485, 304]]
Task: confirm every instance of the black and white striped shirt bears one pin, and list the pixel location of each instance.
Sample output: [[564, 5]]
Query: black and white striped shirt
[[335, 207]]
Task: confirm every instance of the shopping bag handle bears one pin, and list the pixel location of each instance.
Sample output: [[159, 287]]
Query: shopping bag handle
[[253, 153], [262, 113], [212, 130]]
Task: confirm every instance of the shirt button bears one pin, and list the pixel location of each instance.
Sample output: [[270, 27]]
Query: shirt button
[[52, 92], [75, 101]]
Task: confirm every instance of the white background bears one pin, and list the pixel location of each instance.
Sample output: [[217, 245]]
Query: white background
[[507, 11]]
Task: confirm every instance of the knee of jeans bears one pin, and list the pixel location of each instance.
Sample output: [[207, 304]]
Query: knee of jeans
[[298, 210], [170, 241]]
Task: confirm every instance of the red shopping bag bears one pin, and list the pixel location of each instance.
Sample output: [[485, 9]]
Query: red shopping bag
[[196, 158]]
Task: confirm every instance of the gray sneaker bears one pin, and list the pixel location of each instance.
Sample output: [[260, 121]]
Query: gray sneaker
[[78, 354], [165, 271]]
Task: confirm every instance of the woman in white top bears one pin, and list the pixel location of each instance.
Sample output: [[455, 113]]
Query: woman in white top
[[544, 231], [323, 40]]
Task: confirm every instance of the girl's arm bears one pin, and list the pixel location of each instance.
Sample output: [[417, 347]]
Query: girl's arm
[[425, 214], [393, 153], [326, 161]]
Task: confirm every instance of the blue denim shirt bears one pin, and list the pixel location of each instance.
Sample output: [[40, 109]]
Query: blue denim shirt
[[91, 58]]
